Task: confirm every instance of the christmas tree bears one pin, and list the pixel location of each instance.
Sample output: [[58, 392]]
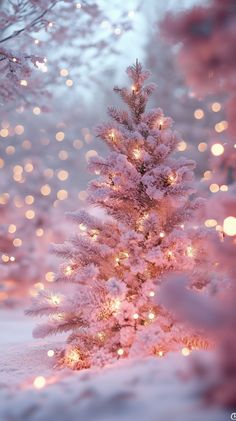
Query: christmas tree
[[114, 265]]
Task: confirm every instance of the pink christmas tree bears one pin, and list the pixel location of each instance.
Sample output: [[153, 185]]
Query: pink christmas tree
[[113, 265]]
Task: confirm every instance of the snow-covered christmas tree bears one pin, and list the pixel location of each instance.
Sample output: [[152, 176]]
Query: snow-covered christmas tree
[[114, 265]]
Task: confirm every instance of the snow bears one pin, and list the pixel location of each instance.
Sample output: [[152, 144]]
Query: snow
[[152, 389]]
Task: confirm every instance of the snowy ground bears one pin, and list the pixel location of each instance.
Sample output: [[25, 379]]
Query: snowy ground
[[152, 389]]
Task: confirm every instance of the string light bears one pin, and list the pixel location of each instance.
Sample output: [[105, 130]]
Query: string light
[[45, 190], [217, 149], [229, 226], [73, 356], [39, 232], [62, 194], [160, 353], [137, 153], [214, 188], [50, 353], [39, 382], [12, 228], [151, 316], [172, 179], [82, 227], [190, 251], [17, 242], [30, 214], [135, 316], [216, 106], [68, 270], [36, 110], [221, 126], [151, 294], [162, 234], [55, 299], [120, 352], [185, 352], [50, 276], [199, 114], [182, 146], [60, 136], [202, 147], [210, 223], [112, 135]]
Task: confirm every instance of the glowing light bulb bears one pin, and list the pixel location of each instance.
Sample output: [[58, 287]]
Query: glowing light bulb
[[216, 106], [133, 88], [162, 234], [120, 351], [151, 316], [190, 251], [50, 276], [112, 135], [82, 227], [5, 258], [137, 153], [68, 270], [214, 188], [55, 299], [151, 294], [39, 382], [217, 149], [115, 304], [12, 228], [50, 353], [185, 352], [198, 114], [160, 353], [135, 316], [229, 226]]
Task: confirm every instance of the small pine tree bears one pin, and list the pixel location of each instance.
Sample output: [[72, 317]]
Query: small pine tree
[[115, 264]]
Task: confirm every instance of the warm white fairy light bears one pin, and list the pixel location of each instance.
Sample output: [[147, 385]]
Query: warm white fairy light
[[151, 316], [115, 305], [151, 294], [210, 223], [39, 382], [185, 352], [162, 234], [214, 188], [137, 153], [82, 227], [5, 258], [135, 316], [68, 270], [50, 353], [120, 351], [229, 226], [55, 299], [190, 251], [12, 228], [50, 276], [217, 149], [73, 356]]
